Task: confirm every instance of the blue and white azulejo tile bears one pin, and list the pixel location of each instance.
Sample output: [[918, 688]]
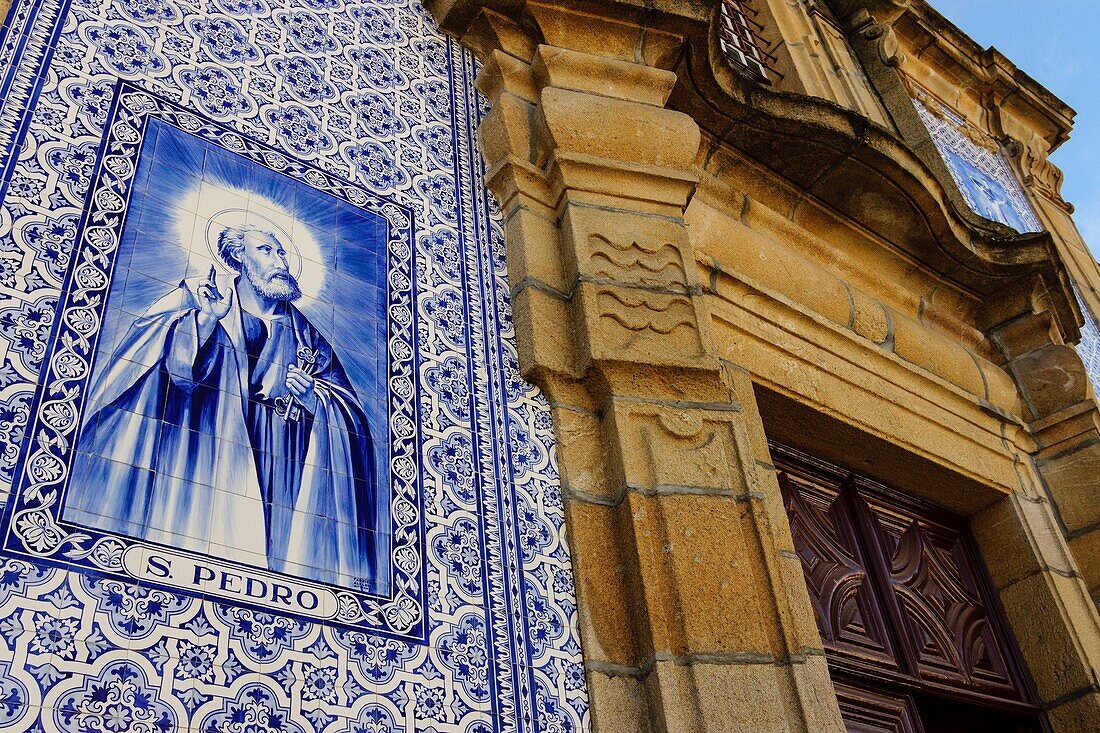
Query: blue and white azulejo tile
[[265, 454]]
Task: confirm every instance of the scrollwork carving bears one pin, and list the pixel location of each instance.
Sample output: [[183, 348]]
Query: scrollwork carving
[[1039, 174], [662, 314], [881, 35], [657, 264]]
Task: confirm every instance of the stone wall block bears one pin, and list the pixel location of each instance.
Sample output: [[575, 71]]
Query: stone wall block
[[798, 614], [614, 614], [1086, 549], [507, 130], [587, 457], [619, 130], [587, 180], [761, 480], [869, 318], [488, 31], [508, 146], [1058, 631], [533, 250], [1051, 378], [726, 698], [544, 332], [1074, 482], [1002, 392], [1079, 714], [743, 697], [1019, 537], [623, 706], [701, 576], [583, 72], [938, 354], [1066, 429], [1021, 335], [600, 34], [503, 72], [740, 249]]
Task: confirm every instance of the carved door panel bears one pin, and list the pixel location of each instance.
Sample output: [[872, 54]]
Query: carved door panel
[[848, 614], [932, 574], [913, 633], [871, 711]]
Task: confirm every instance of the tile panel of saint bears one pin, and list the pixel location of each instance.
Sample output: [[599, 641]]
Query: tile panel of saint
[[237, 405]]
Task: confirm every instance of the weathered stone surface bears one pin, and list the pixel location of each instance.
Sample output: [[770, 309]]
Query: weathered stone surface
[[704, 577], [623, 707], [1051, 378], [583, 72], [587, 455], [1056, 627], [1079, 714], [674, 240], [1086, 550], [627, 247], [668, 448], [945, 358], [533, 252], [631, 132], [746, 697], [614, 615], [1074, 481], [1020, 537], [870, 319], [545, 331]]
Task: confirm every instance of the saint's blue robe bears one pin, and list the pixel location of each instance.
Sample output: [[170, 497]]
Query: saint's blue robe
[[186, 444]]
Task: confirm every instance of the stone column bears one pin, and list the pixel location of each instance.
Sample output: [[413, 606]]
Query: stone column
[[694, 613], [1045, 596], [1065, 422]]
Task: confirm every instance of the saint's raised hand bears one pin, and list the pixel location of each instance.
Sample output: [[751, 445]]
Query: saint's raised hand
[[213, 306]]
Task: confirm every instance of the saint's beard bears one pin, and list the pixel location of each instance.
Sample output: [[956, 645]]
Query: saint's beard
[[280, 286]]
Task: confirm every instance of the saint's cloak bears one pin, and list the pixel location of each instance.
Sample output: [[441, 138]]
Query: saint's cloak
[[186, 444]]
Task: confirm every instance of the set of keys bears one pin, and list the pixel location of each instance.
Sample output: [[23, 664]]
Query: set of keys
[[286, 406]]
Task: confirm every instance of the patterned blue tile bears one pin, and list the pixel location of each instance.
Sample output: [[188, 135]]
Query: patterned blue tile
[[335, 115], [978, 167]]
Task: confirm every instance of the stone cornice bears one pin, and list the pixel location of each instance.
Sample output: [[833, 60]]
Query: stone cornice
[[989, 70], [894, 185], [871, 175]]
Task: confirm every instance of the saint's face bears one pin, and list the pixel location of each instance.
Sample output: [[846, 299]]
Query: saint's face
[[264, 257], [264, 266]]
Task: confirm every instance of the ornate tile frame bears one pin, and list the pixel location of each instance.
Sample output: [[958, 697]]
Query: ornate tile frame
[[524, 612], [32, 525]]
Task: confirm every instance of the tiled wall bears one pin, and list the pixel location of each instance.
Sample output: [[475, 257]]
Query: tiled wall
[[978, 167], [265, 457]]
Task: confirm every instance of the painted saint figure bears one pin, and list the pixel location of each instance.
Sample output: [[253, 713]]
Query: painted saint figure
[[225, 424]]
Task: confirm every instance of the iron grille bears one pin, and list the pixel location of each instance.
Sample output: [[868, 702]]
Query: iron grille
[[739, 34]]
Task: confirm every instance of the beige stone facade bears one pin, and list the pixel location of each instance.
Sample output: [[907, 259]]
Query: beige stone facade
[[700, 263]]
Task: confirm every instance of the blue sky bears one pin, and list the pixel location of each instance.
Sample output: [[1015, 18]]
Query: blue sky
[[1056, 43]]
